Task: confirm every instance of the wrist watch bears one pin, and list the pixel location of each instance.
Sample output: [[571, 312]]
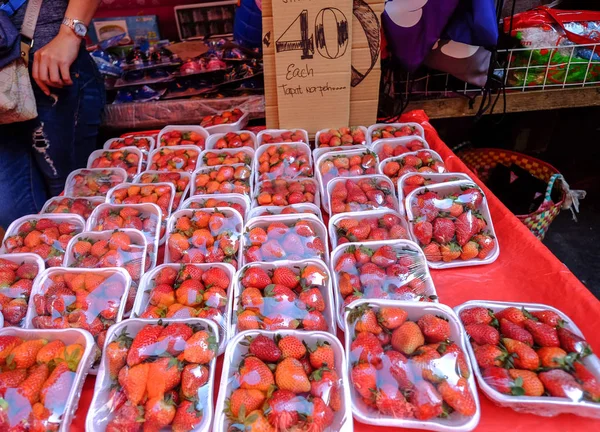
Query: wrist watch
[[78, 27]]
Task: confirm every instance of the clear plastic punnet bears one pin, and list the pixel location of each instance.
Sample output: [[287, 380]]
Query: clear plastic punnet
[[177, 158], [181, 181], [128, 158], [222, 179], [452, 224], [423, 161], [389, 269], [282, 160], [243, 155], [335, 139], [231, 140], [18, 273], [45, 388], [532, 358], [160, 372], [145, 143], [285, 237], [392, 147], [367, 226], [88, 299], [273, 136], [411, 181], [87, 182], [238, 202], [161, 194], [367, 192], [64, 204], [125, 248], [283, 295], [289, 209], [284, 192], [303, 401], [407, 366], [143, 217], [204, 235], [171, 136], [226, 121], [45, 235], [393, 130]]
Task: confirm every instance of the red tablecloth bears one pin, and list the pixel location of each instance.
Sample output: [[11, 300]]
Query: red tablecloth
[[526, 271]]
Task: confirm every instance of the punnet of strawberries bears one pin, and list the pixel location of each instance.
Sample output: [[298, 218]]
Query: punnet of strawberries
[[394, 131], [370, 226], [283, 192], [180, 180], [226, 117], [407, 369], [174, 159], [143, 143], [450, 226], [283, 161], [182, 137], [361, 193], [341, 164], [204, 235], [380, 270], [239, 203], [222, 179], [226, 157], [157, 377], [393, 147], [282, 136], [423, 161], [283, 296], [38, 374], [413, 181], [294, 238], [17, 273], [341, 137], [88, 183], [287, 382], [289, 209], [45, 237], [160, 194], [126, 159], [524, 352], [80, 206], [86, 299], [232, 140]]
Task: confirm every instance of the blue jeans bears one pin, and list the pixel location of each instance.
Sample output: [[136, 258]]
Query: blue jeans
[[36, 156]]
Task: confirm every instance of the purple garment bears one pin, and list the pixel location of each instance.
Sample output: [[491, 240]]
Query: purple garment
[[412, 27], [10, 48], [474, 23]]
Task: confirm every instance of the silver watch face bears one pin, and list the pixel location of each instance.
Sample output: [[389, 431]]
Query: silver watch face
[[80, 29]]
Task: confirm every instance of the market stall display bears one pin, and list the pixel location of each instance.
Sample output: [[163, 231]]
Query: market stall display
[[80, 206]]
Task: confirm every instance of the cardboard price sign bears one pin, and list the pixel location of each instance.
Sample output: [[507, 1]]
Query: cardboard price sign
[[312, 46]]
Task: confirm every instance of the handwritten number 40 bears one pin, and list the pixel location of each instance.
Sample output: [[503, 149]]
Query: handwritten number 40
[[328, 47]]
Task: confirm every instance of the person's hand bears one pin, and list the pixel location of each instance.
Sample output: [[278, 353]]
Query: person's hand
[[51, 63]]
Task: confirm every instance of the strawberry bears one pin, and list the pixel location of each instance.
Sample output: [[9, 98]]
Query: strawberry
[[158, 414], [450, 252], [559, 383], [483, 334], [164, 374], [128, 418], [243, 400], [548, 317], [553, 357], [57, 386], [291, 346], [290, 375], [488, 355], [312, 298], [432, 252], [384, 257], [513, 331], [466, 227], [187, 417], [11, 379], [391, 317], [528, 380], [500, 380], [133, 380], [469, 251], [367, 348], [523, 356], [23, 356], [443, 230], [255, 374], [365, 320], [256, 277], [390, 401], [193, 377], [589, 382], [423, 231], [512, 314], [426, 400], [215, 277], [175, 335], [32, 385], [476, 315], [364, 379], [571, 342], [407, 338], [543, 334], [363, 255], [458, 396], [200, 348], [116, 353], [265, 349], [144, 345], [283, 409], [435, 329], [285, 276], [345, 263], [486, 245], [322, 356]]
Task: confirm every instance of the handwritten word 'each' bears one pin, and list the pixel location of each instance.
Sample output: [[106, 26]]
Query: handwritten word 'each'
[[296, 72]]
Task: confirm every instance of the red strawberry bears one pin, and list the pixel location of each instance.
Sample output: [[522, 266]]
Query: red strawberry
[[265, 349], [313, 298], [216, 276], [434, 329], [499, 379], [283, 410], [488, 355], [466, 227], [513, 315], [458, 395], [423, 231], [144, 344], [398, 368], [345, 263], [426, 400], [384, 257], [285, 276], [292, 245], [476, 315], [256, 277], [543, 334], [116, 353], [366, 347], [443, 230], [364, 379], [193, 377], [186, 417], [559, 383], [513, 331], [571, 342], [483, 334], [175, 336], [390, 401], [591, 384], [523, 356]]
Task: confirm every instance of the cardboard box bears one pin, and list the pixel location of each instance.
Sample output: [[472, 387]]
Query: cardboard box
[[136, 28]]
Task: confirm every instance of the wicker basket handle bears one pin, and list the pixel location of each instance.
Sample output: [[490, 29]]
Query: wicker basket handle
[[571, 196]]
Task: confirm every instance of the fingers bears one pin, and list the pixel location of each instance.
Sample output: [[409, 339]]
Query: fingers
[[64, 72], [40, 73], [54, 75], [50, 72]]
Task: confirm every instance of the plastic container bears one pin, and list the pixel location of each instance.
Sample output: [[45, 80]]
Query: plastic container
[[213, 139], [273, 136], [289, 209], [205, 182], [417, 130], [455, 421], [412, 281], [202, 136], [228, 248], [387, 199], [385, 228], [295, 153], [285, 244], [207, 155], [101, 413], [65, 204], [436, 165], [176, 158], [227, 127], [128, 193], [145, 143], [444, 189], [321, 150], [220, 315], [181, 181], [397, 146], [62, 414], [149, 214], [546, 406], [428, 179], [132, 168], [52, 245], [327, 169], [238, 202], [297, 310], [17, 286], [87, 182], [266, 190], [237, 348]]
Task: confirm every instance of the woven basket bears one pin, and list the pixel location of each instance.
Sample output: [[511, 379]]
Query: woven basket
[[482, 161]]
